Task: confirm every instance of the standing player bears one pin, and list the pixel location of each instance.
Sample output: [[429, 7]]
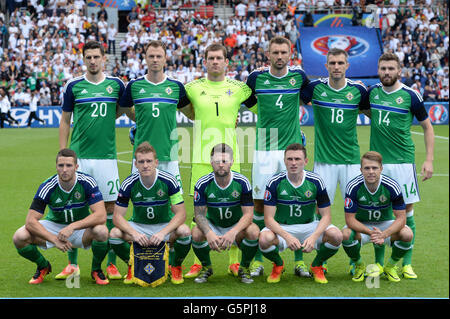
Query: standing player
[[69, 195], [156, 99], [276, 92], [375, 212], [290, 203], [223, 212], [336, 102], [215, 100], [158, 212], [93, 99], [393, 106]]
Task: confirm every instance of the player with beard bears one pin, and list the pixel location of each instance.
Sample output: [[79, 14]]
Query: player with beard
[[393, 106], [276, 96]]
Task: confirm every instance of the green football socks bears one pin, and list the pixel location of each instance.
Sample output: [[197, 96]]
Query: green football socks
[[181, 249], [249, 248], [201, 250], [326, 251], [32, 253], [99, 252]]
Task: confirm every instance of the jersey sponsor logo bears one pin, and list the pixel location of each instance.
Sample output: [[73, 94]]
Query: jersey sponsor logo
[[283, 192], [196, 196], [211, 195], [348, 203], [266, 82], [267, 195], [354, 46], [438, 114], [84, 91], [58, 200], [142, 91]]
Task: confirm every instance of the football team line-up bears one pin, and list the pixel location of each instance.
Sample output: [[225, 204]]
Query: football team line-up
[[283, 207]]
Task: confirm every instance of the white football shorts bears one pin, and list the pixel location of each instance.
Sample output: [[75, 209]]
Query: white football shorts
[[332, 174], [265, 165], [106, 174]]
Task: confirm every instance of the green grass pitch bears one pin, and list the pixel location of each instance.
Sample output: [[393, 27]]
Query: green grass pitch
[[28, 157]]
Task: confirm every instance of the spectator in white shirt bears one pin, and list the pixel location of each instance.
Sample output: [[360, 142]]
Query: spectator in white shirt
[[34, 100], [112, 32]]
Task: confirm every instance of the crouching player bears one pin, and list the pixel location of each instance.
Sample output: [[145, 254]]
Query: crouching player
[[223, 207], [375, 212], [158, 213], [290, 203], [69, 224]]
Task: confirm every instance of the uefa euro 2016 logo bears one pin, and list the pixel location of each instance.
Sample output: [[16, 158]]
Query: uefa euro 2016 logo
[[353, 45], [438, 114], [303, 115]]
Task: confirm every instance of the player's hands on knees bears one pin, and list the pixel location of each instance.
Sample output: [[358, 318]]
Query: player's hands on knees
[[65, 233], [227, 240], [377, 236], [293, 243], [141, 239], [156, 239], [214, 241], [64, 246], [309, 244]]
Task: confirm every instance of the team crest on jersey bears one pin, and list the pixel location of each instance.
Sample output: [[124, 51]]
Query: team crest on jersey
[[383, 198], [160, 193], [308, 193], [196, 196], [349, 96], [109, 89], [235, 194], [229, 92], [77, 195], [348, 203], [292, 81], [399, 100], [169, 91]]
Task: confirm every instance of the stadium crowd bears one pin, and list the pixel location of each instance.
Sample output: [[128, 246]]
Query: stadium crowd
[[41, 40]]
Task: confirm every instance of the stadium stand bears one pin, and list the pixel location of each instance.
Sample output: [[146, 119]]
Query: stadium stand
[[41, 40]]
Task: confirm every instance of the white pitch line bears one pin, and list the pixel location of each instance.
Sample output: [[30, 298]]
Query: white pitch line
[[436, 136]]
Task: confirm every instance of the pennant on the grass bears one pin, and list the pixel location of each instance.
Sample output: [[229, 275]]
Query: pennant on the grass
[[149, 265]]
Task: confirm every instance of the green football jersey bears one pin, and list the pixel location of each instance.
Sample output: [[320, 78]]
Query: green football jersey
[[155, 106], [216, 106], [373, 207], [296, 205], [278, 100], [335, 115], [94, 116], [224, 204], [390, 125], [66, 207], [150, 205]]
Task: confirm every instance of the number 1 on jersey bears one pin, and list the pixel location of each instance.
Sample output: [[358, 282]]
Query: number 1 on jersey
[[217, 108]]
